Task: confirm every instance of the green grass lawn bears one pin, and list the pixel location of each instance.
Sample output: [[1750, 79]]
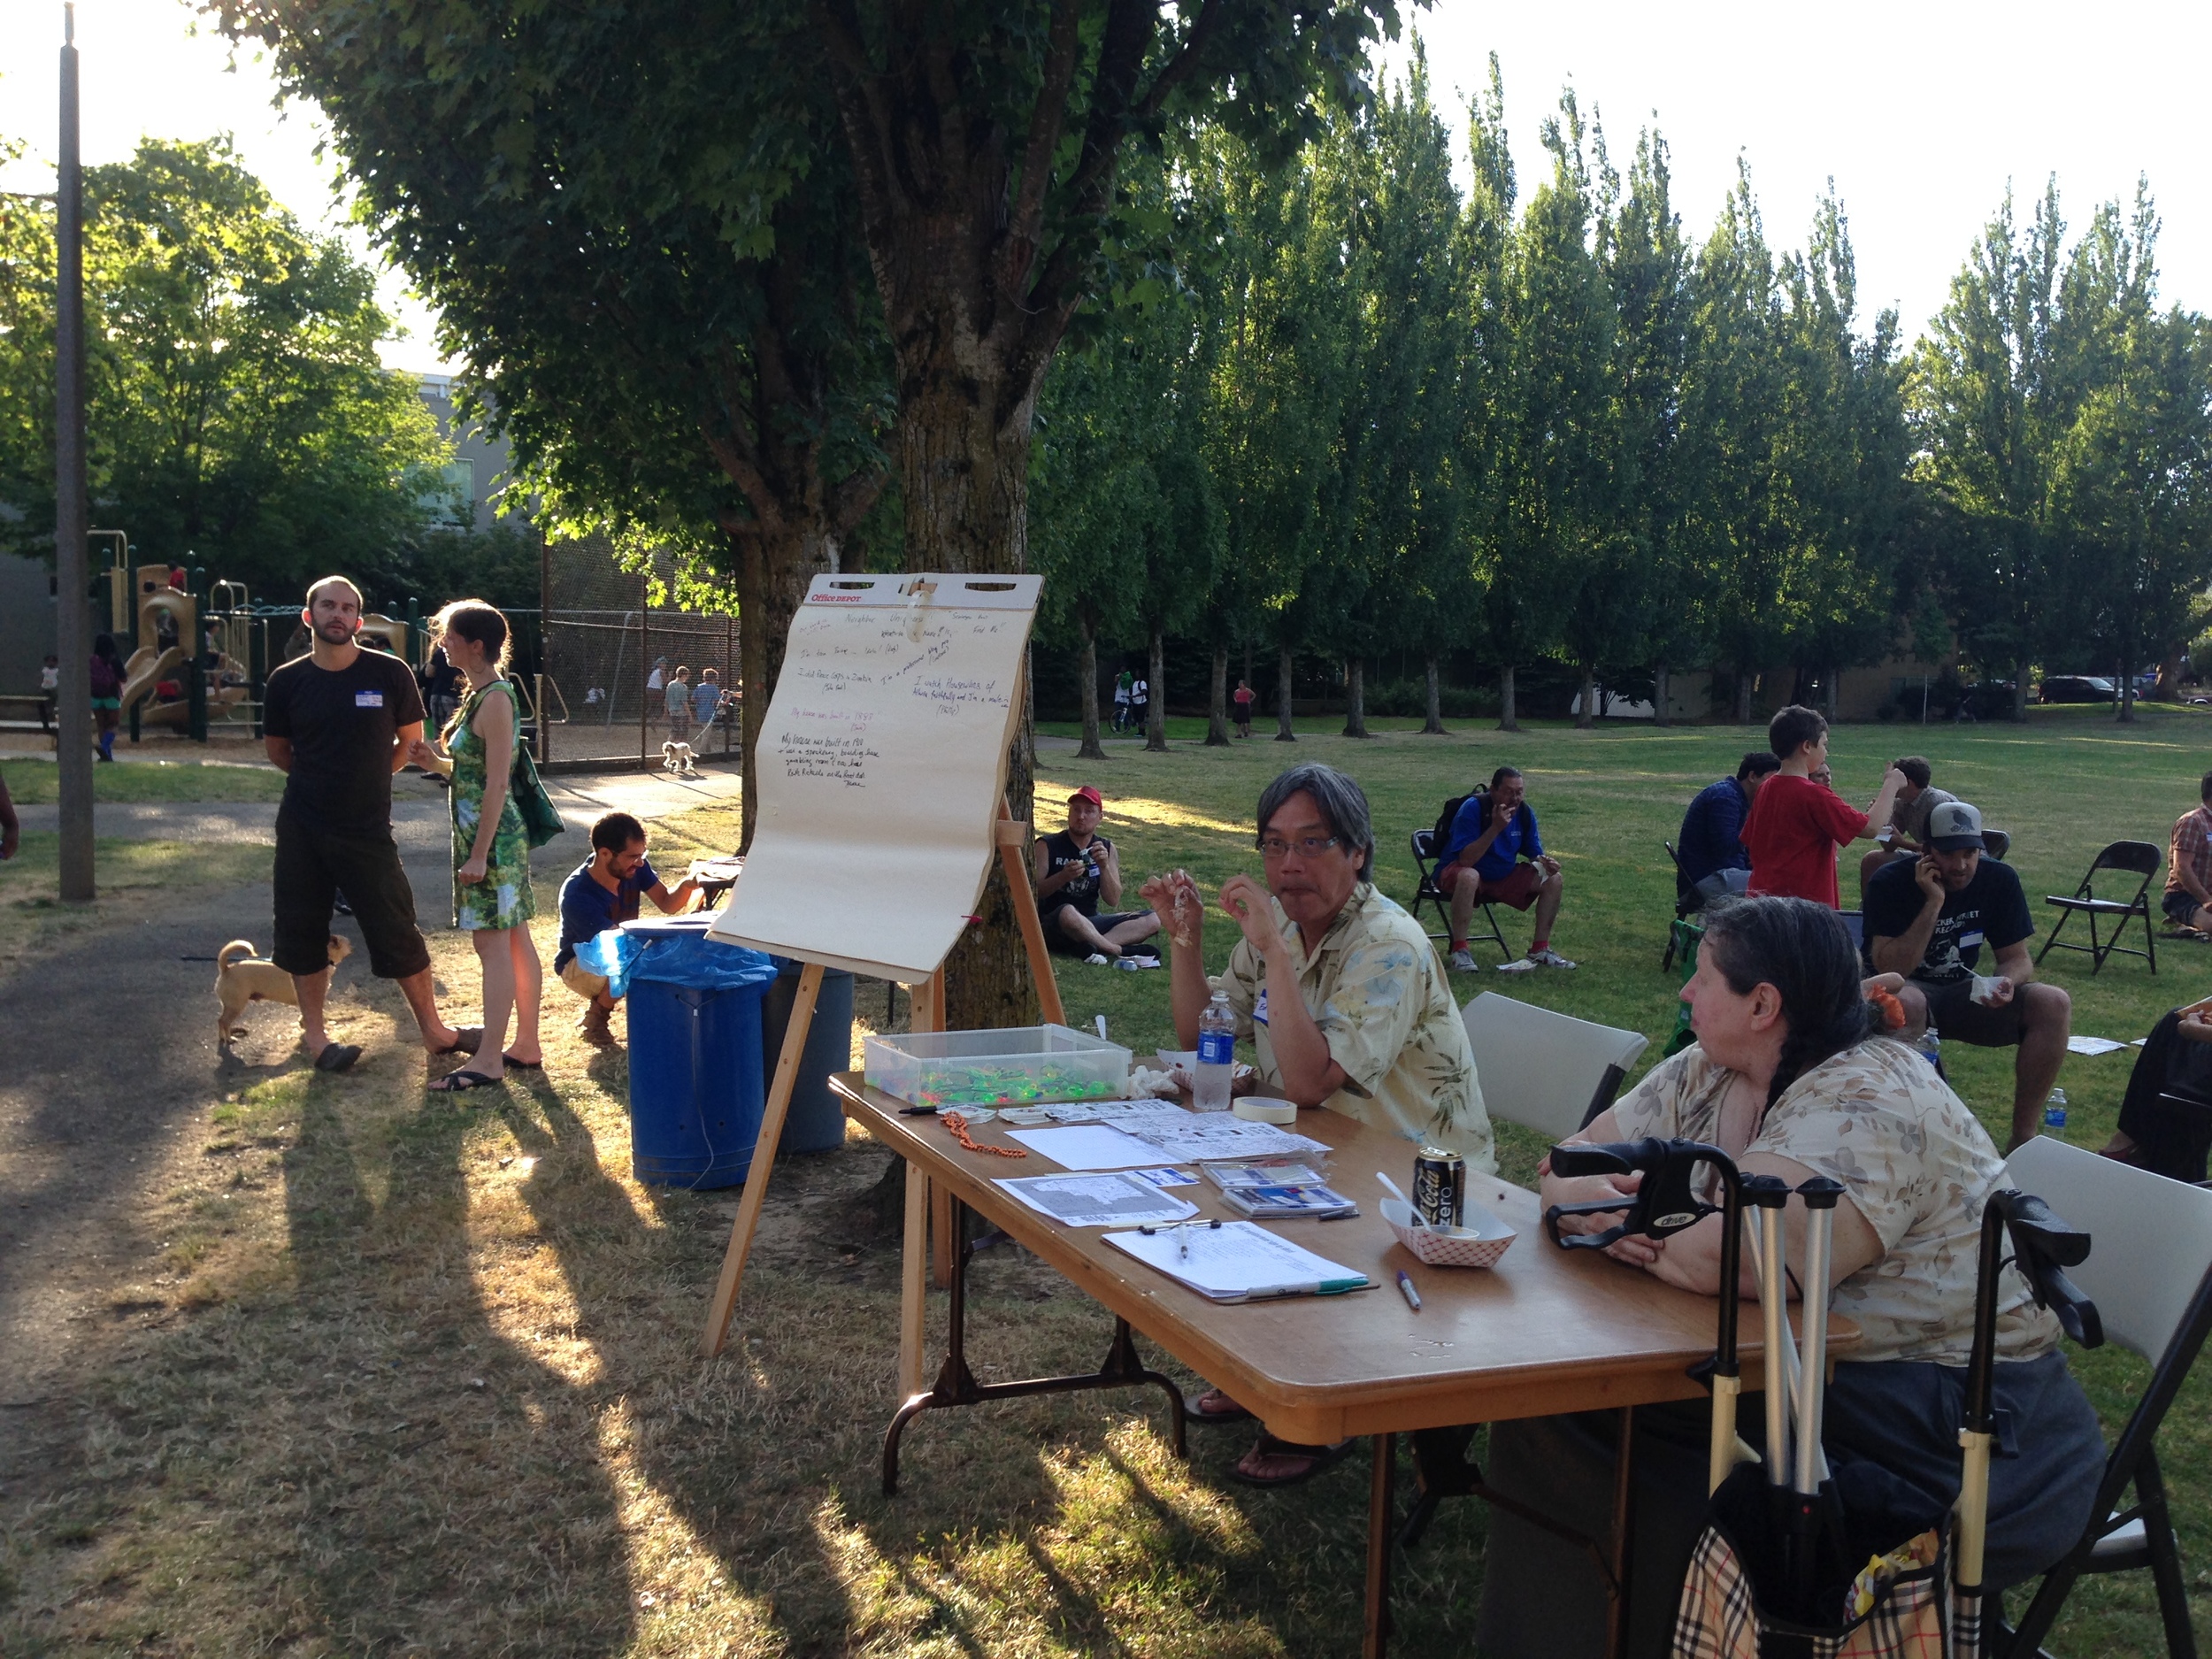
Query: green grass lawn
[[31, 780], [2064, 786]]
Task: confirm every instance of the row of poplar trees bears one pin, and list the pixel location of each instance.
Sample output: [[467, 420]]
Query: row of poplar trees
[[1369, 410]]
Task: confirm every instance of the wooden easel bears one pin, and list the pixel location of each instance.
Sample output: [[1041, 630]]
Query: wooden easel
[[927, 1013]]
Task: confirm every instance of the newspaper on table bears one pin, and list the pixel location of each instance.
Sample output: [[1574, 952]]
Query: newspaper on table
[[1118, 1199]]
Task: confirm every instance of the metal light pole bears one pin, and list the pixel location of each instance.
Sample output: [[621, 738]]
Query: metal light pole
[[75, 642]]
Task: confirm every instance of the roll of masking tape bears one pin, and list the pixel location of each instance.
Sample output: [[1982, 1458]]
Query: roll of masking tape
[[1259, 1110]]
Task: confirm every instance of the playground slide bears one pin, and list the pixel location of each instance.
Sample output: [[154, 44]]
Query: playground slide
[[220, 701], [145, 671]]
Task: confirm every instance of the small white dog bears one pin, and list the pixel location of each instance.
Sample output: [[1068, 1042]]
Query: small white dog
[[240, 978], [678, 758]]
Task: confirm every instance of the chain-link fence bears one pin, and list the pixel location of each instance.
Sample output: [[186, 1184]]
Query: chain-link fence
[[610, 658]]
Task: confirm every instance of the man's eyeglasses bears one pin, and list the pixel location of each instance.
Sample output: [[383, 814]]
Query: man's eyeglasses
[[1274, 846]]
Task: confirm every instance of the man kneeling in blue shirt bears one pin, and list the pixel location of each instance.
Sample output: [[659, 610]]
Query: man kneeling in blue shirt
[[604, 894]]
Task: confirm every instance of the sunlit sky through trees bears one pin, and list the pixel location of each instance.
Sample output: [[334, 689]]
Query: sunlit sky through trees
[[1920, 111]]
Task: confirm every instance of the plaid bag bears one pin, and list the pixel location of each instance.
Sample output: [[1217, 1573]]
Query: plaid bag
[[1914, 1614]]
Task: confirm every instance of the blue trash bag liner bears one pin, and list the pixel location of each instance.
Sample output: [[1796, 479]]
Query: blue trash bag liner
[[702, 963], [611, 955]]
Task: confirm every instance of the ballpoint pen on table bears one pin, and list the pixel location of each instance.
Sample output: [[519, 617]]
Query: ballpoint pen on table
[[1413, 1296]]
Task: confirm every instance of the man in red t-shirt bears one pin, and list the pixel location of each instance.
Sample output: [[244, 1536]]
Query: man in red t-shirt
[[1795, 825]]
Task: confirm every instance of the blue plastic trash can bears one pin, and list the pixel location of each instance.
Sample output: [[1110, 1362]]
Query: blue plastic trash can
[[816, 1123], [695, 1093]]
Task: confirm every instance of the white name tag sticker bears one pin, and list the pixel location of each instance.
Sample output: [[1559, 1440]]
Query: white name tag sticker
[[1969, 941], [368, 699]]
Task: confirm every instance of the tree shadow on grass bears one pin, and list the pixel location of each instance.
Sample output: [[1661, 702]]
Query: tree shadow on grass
[[446, 1486]]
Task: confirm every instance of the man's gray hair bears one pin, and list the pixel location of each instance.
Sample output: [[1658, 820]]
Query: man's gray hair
[[1342, 802]]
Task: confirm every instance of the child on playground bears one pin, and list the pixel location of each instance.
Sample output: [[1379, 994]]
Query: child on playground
[[1795, 823]]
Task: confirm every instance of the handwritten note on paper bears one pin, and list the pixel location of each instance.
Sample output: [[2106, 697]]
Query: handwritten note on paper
[[882, 759]]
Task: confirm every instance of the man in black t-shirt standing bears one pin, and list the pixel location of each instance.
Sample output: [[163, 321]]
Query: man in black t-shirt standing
[[337, 722], [1073, 871], [1928, 919]]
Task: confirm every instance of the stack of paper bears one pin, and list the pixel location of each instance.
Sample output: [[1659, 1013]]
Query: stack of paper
[[1098, 1200], [1238, 1261]]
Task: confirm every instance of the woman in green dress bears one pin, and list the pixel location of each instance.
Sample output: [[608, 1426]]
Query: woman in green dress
[[492, 901]]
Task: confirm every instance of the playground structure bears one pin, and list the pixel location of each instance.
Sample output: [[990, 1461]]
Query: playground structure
[[160, 685]]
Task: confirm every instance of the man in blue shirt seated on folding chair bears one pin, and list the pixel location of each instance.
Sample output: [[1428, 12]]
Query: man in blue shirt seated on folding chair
[[1710, 859], [1483, 862]]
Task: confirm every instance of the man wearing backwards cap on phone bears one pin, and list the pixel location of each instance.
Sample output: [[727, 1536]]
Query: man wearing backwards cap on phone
[[1073, 871], [1928, 919]]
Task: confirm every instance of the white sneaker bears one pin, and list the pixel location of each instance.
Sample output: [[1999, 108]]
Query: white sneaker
[[1464, 962], [1526, 964], [1549, 958], [1096, 959]]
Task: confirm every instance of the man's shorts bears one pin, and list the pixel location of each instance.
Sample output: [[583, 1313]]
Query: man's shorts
[[1953, 1012], [1063, 944], [582, 980], [312, 867], [1518, 889], [2179, 907]]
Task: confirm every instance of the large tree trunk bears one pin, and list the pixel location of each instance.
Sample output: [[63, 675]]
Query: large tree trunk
[[1283, 734], [1217, 701], [775, 563], [1586, 707], [1745, 680], [1090, 749], [1355, 697], [2125, 710], [1156, 707], [2020, 694], [1659, 715], [1247, 665], [1835, 693], [1433, 726], [2169, 687], [1508, 719]]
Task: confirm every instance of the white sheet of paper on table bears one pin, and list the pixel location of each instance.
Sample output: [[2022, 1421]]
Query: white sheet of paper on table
[[1110, 1200], [1092, 1146]]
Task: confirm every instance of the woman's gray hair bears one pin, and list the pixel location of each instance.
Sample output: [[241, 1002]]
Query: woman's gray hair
[[1342, 802]]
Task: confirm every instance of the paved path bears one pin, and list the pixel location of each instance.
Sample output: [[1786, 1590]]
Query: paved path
[[419, 810]]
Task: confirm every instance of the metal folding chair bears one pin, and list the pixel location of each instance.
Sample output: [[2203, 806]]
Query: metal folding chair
[[2151, 1277], [1424, 841], [2135, 859]]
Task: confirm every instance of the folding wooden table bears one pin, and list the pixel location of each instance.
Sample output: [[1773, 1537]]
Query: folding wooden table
[[1544, 1332]]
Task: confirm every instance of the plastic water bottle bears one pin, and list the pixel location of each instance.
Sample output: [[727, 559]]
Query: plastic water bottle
[[1216, 1055], [2054, 1110], [1931, 1046]]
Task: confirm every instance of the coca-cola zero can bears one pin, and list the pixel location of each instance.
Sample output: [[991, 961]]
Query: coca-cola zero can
[[1440, 1186]]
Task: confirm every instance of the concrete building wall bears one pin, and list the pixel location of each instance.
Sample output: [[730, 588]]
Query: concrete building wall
[[27, 628], [480, 464]]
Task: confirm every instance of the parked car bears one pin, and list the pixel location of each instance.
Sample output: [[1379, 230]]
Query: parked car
[[2076, 688]]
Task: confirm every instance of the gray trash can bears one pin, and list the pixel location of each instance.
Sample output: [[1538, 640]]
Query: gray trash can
[[816, 1123]]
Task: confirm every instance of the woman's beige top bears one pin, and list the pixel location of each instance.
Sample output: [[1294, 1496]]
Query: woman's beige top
[[1914, 1161]]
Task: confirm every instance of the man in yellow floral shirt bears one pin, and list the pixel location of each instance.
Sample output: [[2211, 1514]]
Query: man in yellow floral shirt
[[1342, 998]]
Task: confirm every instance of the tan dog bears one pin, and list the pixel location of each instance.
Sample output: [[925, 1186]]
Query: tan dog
[[240, 978]]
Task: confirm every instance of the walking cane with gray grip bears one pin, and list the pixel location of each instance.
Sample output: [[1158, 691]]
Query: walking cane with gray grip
[[1667, 1202], [1766, 1196]]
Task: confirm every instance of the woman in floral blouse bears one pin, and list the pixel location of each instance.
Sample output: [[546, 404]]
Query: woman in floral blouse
[[1788, 1079]]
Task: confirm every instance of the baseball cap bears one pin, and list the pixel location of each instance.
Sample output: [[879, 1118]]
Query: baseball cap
[[1954, 826], [1086, 793]]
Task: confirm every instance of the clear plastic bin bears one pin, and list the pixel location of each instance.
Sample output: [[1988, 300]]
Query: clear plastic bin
[[997, 1068]]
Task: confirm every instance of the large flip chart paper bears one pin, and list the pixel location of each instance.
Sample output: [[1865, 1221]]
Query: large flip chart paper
[[880, 767]]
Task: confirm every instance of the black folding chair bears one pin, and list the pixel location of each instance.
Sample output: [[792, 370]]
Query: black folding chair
[[1428, 891], [2151, 1276], [2129, 858]]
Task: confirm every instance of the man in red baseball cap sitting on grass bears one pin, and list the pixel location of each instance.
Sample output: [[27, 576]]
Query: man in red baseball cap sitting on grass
[[1073, 871]]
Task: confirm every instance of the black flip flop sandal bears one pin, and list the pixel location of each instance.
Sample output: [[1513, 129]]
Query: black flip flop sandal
[[467, 1040], [1322, 1458], [1194, 1410], [462, 1082], [523, 1065], [337, 1056]]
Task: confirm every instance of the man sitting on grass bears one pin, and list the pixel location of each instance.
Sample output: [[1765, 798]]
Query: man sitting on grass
[[2188, 900], [1710, 862], [604, 894], [1929, 919], [1073, 871], [1491, 836], [1906, 834], [1795, 825]]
